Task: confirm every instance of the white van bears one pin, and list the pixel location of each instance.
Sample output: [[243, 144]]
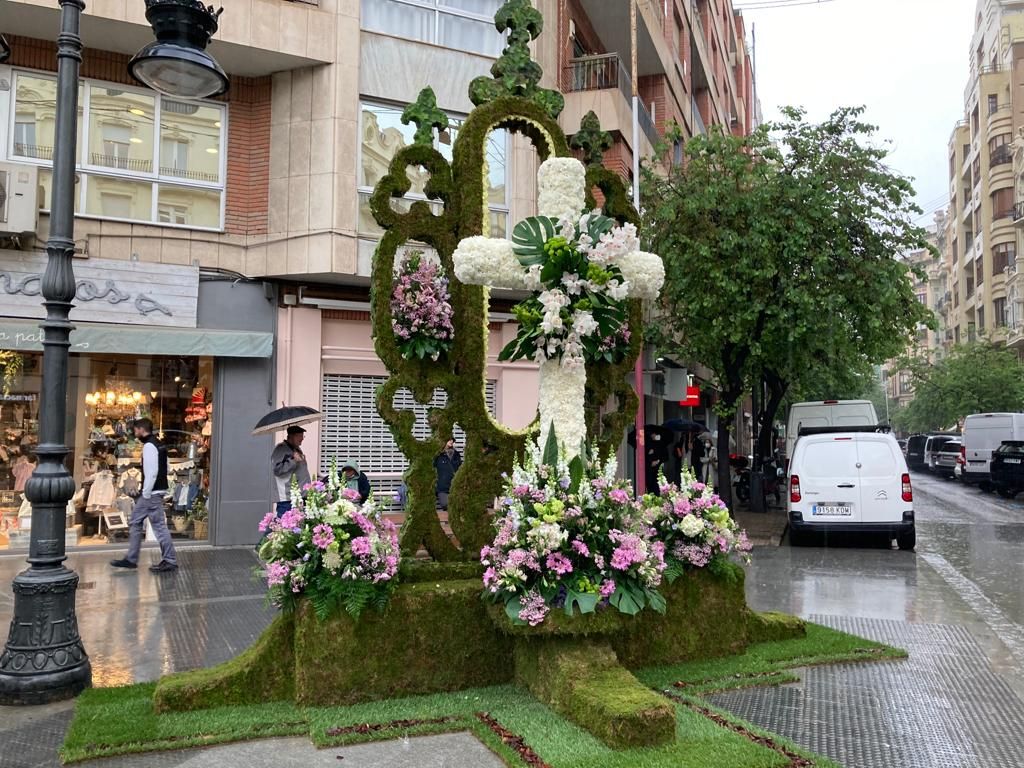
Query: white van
[[828, 413], [850, 481], [983, 433]]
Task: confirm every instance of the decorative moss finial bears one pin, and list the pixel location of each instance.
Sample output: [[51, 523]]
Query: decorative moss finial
[[591, 139], [425, 113], [515, 73]]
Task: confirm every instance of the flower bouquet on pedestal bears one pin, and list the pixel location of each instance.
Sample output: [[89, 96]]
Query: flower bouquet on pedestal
[[571, 541], [695, 527], [330, 550]]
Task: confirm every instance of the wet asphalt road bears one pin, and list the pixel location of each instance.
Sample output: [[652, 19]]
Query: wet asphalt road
[[956, 604]]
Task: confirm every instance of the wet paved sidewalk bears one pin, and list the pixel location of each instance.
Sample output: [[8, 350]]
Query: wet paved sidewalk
[[954, 605]]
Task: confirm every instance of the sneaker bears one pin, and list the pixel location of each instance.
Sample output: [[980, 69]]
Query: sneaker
[[124, 564], [163, 566]]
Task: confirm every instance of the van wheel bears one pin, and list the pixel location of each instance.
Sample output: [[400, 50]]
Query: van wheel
[[797, 538], [1007, 493], [985, 486], [907, 541]]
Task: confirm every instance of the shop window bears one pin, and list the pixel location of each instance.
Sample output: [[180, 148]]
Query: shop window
[[140, 149], [107, 392]]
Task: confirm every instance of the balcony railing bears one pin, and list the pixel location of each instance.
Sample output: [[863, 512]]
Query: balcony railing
[[1000, 156], [597, 73], [183, 173], [123, 163], [34, 151], [997, 109], [1018, 210]]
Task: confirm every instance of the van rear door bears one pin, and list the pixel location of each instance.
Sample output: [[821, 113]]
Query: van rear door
[[828, 479], [880, 473], [982, 435]]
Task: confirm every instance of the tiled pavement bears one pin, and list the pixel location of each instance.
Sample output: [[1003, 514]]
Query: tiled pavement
[[952, 705]]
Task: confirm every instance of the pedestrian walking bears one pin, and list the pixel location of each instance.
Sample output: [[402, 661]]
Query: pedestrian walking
[[288, 461], [352, 478], [446, 464], [150, 504], [697, 459]]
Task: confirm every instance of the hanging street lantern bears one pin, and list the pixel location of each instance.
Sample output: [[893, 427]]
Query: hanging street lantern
[[176, 64]]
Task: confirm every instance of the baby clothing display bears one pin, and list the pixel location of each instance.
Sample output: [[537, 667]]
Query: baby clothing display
[[22, 471], [102, 493]]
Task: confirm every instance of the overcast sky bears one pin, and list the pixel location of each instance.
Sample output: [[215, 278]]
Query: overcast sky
[[905, 60]]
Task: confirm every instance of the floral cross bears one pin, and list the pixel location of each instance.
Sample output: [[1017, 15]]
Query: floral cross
[[573, 317]]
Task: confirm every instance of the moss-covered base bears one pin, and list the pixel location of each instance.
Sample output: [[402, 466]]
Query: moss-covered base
[[438, 635], [262, 673], [432, 637], [582, 680]]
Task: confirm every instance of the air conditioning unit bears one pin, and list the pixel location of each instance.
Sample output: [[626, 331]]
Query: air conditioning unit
[[19, 185]]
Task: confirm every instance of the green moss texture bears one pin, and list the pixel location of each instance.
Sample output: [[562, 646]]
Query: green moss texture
[[438, 635], [262, 673], [432, 637], [583, 681]]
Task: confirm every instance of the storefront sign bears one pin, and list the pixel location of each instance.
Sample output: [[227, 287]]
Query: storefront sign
[[692, 398], [108, 291]]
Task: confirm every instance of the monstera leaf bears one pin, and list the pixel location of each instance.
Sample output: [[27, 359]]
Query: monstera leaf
[[529, 236]]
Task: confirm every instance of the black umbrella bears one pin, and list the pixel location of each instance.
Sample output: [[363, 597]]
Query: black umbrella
[[286, 416], [684, 425], [653, 433]]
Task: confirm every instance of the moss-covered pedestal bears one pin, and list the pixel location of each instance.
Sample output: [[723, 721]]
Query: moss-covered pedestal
[[569, 664]]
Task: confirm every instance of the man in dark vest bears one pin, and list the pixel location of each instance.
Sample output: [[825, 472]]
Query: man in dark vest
[[150, 504]]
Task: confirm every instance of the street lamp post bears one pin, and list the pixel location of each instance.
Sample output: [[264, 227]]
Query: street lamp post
[[44, 659]]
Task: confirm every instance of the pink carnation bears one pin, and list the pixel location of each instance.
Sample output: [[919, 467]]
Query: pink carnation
[[607, 588], [323, 536], [361, 545], [267, 522], [276, 574], [581, 548], [559, 563]]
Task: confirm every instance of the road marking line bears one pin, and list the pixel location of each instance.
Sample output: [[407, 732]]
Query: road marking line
[[1011, 633]]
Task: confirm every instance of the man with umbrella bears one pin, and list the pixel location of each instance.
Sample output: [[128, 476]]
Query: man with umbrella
[[288, 461]]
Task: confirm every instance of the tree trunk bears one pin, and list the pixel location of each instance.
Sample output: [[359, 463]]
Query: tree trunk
[[776, 394], [724, 470]]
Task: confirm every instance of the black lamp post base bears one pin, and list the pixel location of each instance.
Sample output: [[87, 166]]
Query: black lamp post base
[[44, 660]]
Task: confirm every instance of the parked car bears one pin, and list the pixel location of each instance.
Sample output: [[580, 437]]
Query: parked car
[[983, 433], [932, 447], [827, 413], [915, 451], [850, 480], [1007, 468], [948, 458]]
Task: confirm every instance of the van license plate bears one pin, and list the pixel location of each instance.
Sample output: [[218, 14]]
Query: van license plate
[[1011, 461], [837, 509]]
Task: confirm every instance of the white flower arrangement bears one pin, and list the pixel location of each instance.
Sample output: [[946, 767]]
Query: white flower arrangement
[[488, 261], [645, 273], [562, 391], [562, 183]]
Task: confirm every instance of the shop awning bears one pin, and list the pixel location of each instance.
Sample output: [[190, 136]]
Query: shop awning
[[26, 336]]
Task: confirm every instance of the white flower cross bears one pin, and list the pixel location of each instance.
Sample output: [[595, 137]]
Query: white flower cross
[[492, 262]]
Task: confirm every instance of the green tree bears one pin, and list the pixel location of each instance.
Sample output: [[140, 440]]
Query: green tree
[[781, 256], [975, 378]]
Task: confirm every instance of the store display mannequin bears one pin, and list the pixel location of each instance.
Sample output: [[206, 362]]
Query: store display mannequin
[[22, 471]]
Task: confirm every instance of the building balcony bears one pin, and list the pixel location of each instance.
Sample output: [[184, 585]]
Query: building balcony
[[1018, 213], [1000, 120], [602, 84], [1000, 165], [611, 23], [1002, 228], [254, 37], [1015, 336]]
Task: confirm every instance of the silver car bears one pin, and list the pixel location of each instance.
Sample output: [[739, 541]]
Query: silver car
[[947, 457]]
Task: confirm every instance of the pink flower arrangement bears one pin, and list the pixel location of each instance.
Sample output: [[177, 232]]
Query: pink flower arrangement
[[328, 548], [421, 310]]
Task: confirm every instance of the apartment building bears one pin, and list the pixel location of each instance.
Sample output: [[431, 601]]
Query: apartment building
[[226, 245], [930, 282], [982, 232]]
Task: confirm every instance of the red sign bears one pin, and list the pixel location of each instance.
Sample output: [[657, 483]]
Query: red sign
[[692, 398]]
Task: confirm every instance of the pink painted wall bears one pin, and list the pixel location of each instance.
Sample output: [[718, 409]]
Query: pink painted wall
[[310, 345]]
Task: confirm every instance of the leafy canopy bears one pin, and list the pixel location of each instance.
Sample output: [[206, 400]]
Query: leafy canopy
[[975, 378], [782, 253]]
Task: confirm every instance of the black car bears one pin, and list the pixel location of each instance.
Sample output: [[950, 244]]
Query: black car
[[1007, 468], [915, 451]]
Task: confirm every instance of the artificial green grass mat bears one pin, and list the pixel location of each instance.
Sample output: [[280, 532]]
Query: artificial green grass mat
[[113, 721]]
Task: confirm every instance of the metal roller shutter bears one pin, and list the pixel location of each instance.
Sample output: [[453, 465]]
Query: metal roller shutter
[[352, 428]]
